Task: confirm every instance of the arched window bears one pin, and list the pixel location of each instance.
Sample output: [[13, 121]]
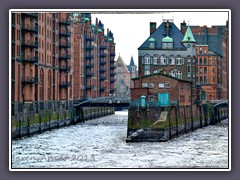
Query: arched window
[[155, 60], [163, 60], [179, 60], [147, 72], [176, 73], [147, 59], [171, 60], [161, 71]]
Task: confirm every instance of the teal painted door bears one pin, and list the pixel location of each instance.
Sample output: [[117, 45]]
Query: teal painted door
[[163, 99]]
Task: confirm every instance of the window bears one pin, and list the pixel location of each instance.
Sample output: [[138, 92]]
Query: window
[[144, 85], [189, 68], [200, 61], [176, 73], [205, 51], [179, 60], [119, 64], [200, 70], [151, 45], [161, 85], [205, 61], [155, 60], [151, 98], [163, 60], [119, 70], [167, 85], [151, 85], [205, 70], [147, 72], [201, 79], [157, 71], [182, 98], [200, 51], [171, 60], [205, 79], [147, 59]]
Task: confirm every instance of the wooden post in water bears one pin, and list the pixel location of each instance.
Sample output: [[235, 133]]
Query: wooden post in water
[[28, 125], [185, 121], [176, 116]]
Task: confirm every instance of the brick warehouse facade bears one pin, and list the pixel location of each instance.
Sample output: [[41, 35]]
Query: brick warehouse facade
[[212, 53], [56, 58], [179, 90]]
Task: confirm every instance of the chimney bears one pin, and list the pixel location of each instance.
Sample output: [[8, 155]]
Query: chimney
[[183, 26], [152, 27]]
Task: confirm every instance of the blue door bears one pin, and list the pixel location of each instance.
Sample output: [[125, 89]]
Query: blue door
[[163, 99]]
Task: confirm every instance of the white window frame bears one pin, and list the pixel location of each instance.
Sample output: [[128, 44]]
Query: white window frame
[[144, 85], [151, 85], [147, 59], [155, 60], [163, 60], [147, 72], [179, 60], [172, 59]]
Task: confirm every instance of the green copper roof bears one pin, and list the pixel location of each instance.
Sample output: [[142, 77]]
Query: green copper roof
[[188, 37], [151, 40], [99, 30], [92, 25], [167, 39], [110, 39]]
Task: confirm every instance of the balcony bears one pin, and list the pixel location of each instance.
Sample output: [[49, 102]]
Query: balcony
[[89, 56], [112, 54], [89, 65], [102, 88], [29, 43], [89, 74], [64, 45], [112, 81], [29, 59], [13, 25], [64, 22], [112, 90], [29, 28], [89, 47], [102, 78], [65, 68], [112, 73], [102, 70], [65, 84], [65, 33], [103, 55], [112, 67], [103, 62], [102, 47], [91, 38], [30, 79], [89, 87], [65, 56], [34, 15]]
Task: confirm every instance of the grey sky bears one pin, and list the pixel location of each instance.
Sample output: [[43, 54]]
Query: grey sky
[[131, 29]]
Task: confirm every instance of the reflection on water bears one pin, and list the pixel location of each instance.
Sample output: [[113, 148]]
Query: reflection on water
[[100, 143]]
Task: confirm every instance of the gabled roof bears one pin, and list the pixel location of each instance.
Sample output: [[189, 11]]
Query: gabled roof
[[119, 59], [188, 37], [161, 33]]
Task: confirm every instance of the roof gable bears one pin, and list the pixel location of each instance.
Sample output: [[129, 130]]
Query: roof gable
[[161, 33]]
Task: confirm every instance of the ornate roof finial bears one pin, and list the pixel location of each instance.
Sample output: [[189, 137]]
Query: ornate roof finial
[[188, 23]]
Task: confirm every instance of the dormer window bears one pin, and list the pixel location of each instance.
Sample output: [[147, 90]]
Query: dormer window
[[151, 42], [167, 43]]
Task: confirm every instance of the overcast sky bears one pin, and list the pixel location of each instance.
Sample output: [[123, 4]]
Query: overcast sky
[[131, 30]]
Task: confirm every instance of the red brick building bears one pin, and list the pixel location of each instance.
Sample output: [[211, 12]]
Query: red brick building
[[179, 90], [212, 64], [57, 58]]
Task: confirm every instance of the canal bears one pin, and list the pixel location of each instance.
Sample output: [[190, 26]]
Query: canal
[[100, 143]]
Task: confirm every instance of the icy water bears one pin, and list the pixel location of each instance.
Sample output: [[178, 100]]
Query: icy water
[[100, 143]]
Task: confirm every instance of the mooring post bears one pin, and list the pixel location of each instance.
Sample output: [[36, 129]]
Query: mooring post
[[185, 121], [28, 125], [176, 115]]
